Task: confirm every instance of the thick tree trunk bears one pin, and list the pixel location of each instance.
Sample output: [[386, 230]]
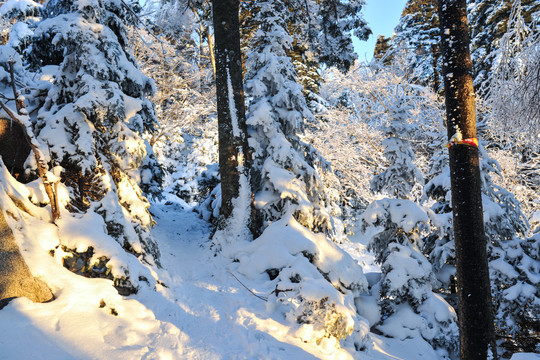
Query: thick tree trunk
[[15, 277], [474, 295], [234, 156]]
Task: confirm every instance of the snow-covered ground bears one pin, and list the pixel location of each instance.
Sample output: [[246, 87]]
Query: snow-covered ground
[[203, 310]]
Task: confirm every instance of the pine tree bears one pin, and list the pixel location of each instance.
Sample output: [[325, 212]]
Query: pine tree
[[488, 23], [337, 19], [321, 32], [512, 259], [418, 31], [382, 47], [409, 308], [290, 197], [394, 228], [89, 115], [284, 178], [402, 177]]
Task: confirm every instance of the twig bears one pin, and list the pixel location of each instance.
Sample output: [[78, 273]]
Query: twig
[[248, 289], [18, 103]]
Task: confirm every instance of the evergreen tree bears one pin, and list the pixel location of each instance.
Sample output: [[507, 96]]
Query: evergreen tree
[[308, 71], [488, 23], [89, 108], [101, 83], [402, 177], [321, 32], [382, 47], [394, 229], [418, 31], [284, 179], [290, 197], [337, 19], [512, 260]]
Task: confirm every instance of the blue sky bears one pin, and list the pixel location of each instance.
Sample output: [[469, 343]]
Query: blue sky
[[382, 17]]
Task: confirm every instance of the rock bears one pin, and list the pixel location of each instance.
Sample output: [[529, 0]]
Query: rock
[[15, 277], [13, 147]]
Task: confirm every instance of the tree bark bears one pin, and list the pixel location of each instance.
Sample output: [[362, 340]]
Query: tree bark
[[474, 295], [15, 277], [234, 155]]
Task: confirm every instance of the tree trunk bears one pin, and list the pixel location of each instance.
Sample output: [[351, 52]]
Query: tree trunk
[[474, 295], [234, 156], [15, 277], [435, 55]]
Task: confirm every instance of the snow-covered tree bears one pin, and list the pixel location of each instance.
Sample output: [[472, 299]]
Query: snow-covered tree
[[360, 105], [488, 21], [418, 31], [89, 107], [284, 179], [382, 47], [350, 146], [514, 89], [513, 259], [315, 292], [321, 33], [185, 140], [401, 179], [236, 220], [515, 273], [338, 19], [394, 230], [439, 246]]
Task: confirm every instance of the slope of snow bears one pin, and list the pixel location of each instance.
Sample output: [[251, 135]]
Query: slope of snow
[[199, 310]]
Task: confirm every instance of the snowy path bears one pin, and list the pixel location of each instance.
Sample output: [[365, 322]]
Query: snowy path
[[218, 317]]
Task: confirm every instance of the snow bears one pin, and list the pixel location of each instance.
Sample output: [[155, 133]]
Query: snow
[[197, 310], [406, 214], [19, 31], [232, 106], [535, 218], [525, 356], [18, 5]]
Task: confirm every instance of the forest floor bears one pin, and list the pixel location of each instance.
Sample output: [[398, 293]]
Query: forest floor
[[202, 311]]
